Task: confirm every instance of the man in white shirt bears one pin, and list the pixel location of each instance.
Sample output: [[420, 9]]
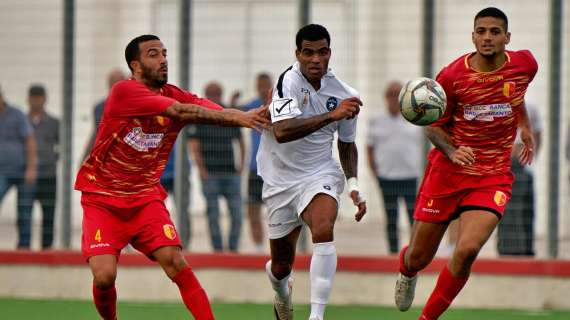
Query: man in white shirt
[[394, 156], [302, 181]]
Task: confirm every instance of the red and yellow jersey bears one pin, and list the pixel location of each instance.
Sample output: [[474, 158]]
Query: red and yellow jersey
[[133, 142], [483, 109]]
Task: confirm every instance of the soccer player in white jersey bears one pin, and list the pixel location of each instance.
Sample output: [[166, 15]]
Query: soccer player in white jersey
[[302, 181]]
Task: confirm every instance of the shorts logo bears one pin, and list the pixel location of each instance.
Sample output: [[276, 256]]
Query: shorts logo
[[500, 198], [430, 203], [326, 186], [332, 103], [98, 235], [169, 231]]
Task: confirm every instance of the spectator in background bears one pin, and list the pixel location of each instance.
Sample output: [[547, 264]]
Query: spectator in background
[[18, 165], [212, 148], [255, 183], [46, 132], [516, 230], [394, 155], [184, 225], [114, 76]]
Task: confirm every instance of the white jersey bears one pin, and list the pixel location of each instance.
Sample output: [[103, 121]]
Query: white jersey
[[282, 165]]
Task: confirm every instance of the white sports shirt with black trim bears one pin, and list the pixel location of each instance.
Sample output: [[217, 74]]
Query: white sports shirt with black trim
[[282, 165]]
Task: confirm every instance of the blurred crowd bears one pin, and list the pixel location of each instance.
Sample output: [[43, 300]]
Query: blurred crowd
[[29, 144]]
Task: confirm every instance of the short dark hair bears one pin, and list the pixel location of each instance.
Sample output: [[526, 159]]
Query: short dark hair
[[132, 51], [312, 32], [492, 12], [37, 90], [264, 75]]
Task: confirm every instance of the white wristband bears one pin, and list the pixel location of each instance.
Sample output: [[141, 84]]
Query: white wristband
[[352, 184]]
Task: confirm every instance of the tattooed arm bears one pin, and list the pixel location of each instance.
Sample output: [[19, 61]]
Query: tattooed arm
[[191, 113], [459, 155], [293, 129], [348, 154]]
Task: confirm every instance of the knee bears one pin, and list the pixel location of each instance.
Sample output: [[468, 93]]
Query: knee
[[417, 260], [281, 269], [465, 253], [175, 263], [104, 278], [322, 231]]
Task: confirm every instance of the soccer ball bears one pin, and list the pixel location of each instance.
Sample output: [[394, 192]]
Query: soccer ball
[[422, 101]]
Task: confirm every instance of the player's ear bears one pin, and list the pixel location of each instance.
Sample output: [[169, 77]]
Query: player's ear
[[508, 37], [297, 53], [473, 37], [135, 65]]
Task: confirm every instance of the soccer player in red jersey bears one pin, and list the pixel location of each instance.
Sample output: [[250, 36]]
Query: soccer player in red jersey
[[468, 174], [122, 199]]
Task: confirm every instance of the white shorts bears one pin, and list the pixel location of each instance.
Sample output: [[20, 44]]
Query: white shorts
[[284, 208]]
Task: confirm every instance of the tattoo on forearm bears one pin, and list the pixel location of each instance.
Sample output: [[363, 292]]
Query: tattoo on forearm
[[293, 129], [348, 154], [440, 140], [197, 114]]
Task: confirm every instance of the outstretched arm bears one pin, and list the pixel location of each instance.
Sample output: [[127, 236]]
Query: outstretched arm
[[293, 129], [459, 155], [348, 154], [191, 113]]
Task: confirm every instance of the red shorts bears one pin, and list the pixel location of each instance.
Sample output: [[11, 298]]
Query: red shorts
[[109, 225], [445, 194]]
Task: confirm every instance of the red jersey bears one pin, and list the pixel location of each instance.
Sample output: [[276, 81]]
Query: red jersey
[[482, 110], [133, 142]]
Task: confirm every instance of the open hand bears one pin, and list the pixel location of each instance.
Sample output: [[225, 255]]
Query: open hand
[[462, 156], [527, 151], [360, 203]]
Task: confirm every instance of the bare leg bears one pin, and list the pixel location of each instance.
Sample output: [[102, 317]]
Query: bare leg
[[174, 265], [104, 270], [476, 228]]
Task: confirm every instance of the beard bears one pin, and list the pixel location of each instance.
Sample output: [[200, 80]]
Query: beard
[[153, 78]]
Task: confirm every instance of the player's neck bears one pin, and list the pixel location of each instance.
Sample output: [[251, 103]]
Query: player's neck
[[147, 84], [487, 64]]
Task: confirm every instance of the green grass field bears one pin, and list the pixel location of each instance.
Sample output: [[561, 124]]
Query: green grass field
[[12, 309]]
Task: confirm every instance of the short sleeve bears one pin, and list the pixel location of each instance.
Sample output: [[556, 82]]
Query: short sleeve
[[444, 79], [530, 63], [347, 130], [370, 139], [184, 96], [130, 98], [25, 128], [285, 104]]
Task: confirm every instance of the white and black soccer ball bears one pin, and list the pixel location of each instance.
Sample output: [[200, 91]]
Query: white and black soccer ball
[[422, 101]]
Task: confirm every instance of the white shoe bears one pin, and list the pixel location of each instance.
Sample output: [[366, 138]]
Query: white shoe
[[283, 308], [314, 318], [405, 291]]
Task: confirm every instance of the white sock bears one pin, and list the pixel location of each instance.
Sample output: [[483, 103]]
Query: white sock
[[280, 286], [323, 267]]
